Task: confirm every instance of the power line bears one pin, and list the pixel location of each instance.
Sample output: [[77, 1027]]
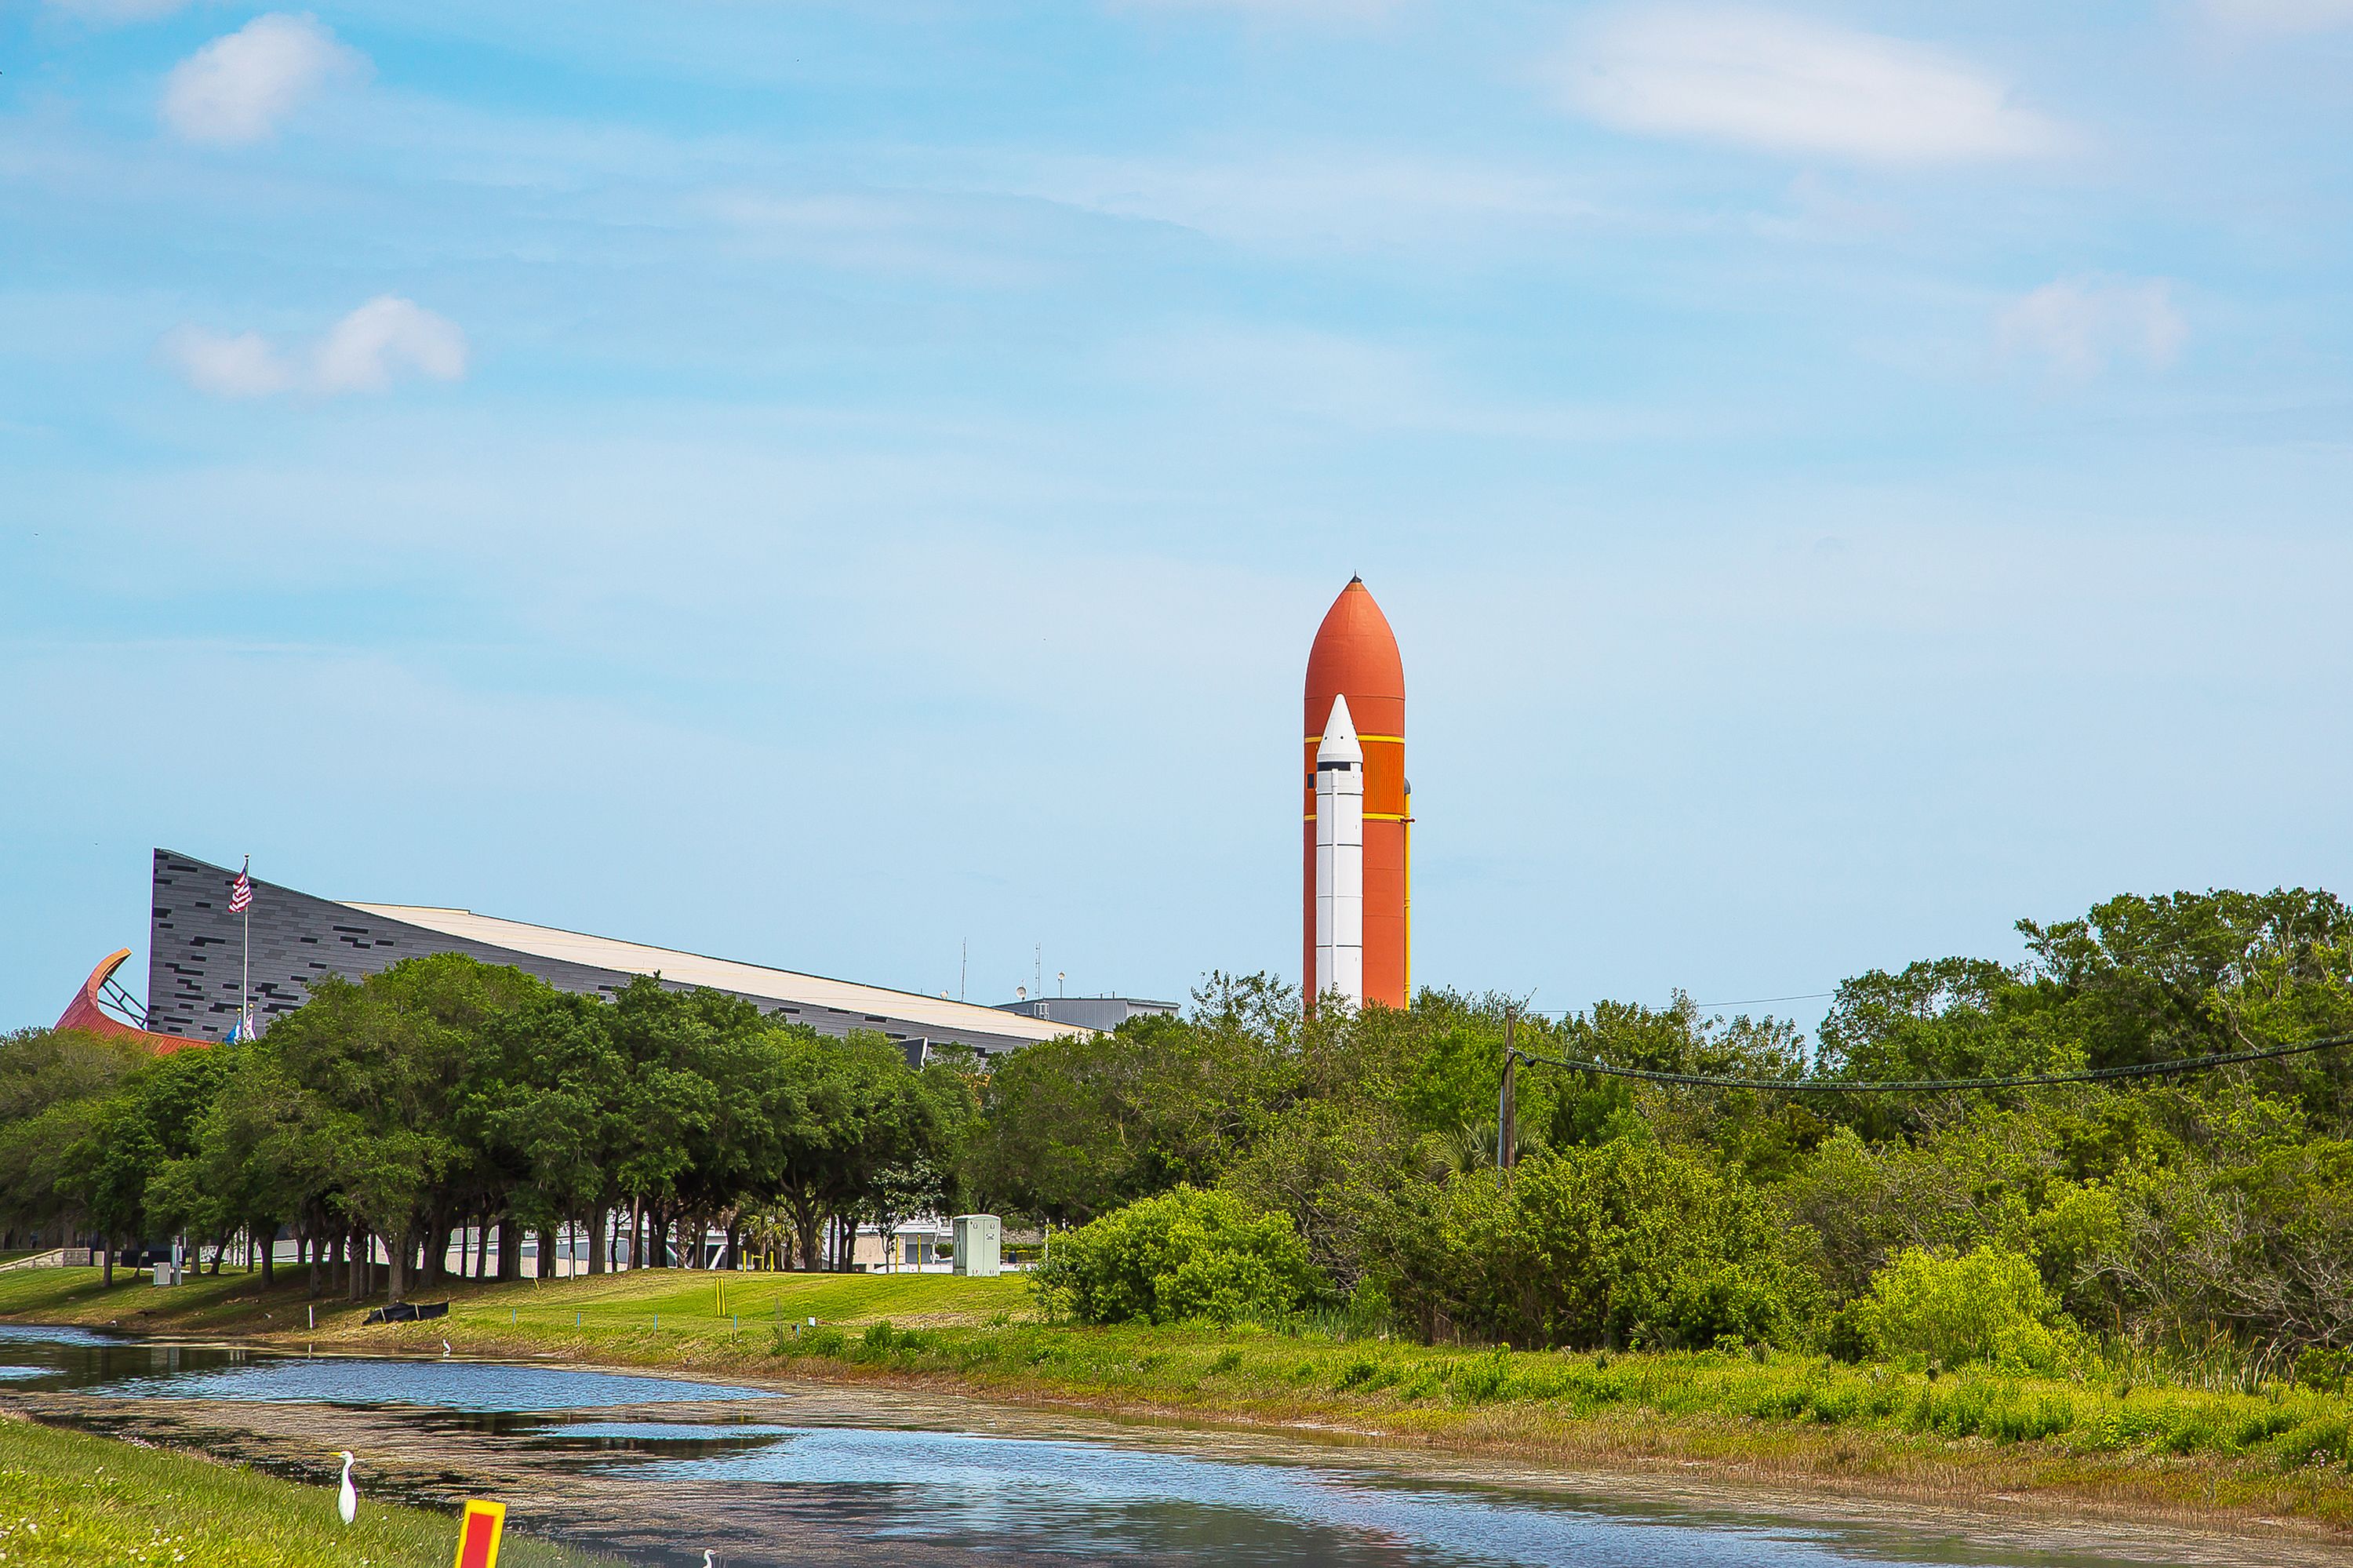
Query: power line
[[1756, 1001], [1703, 1006], [1866, 1087]]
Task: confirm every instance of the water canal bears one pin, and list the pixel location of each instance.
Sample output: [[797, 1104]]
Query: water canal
[[655, 1469]]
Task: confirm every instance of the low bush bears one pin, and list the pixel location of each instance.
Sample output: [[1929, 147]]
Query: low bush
[[786, 1340], [1625, 1245], [1987, 1306], [2324, 1370], [1183, 1256], [2323, 1440]]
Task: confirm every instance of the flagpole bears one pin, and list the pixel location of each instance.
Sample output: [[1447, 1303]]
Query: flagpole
[[245, 972]]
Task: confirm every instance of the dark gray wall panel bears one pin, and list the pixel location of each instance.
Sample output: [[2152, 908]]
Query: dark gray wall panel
[[194, 945]]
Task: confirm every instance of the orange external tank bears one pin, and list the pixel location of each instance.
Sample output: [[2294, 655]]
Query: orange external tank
[[1355, 656]]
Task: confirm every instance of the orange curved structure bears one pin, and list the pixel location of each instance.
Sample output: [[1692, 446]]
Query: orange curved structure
[[84, 1012], [1356, 655]]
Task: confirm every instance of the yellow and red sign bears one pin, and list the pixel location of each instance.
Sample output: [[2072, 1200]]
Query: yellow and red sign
[[478, 1534]]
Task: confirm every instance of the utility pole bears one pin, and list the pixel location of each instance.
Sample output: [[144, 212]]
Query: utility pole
[[1507, 1112]]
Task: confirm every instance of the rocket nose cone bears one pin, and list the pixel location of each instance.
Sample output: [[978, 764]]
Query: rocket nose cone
[[1356, 652], [1355, 641]]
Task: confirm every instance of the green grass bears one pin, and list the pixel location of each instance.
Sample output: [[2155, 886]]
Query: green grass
[[67, 1498], [676, 1308], [2291, 1431], [1796, 1419]]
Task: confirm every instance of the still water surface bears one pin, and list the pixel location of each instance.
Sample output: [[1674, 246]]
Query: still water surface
[[769, 1477]]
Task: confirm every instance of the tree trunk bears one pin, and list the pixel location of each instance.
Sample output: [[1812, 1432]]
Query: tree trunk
[[482, 1246], [269, 1260], [546, 1269], [396, 1281], [805, 1230], [436, 1261], [596, 1239], [106, 1280], [510, 1248], [355, 1283], [733, 1257], [637, 1231]]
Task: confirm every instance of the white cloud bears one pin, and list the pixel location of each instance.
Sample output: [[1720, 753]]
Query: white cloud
[[1790, 85], [2281, 15], [238, 89], [2078, 325], [245, 365], [361, 353]]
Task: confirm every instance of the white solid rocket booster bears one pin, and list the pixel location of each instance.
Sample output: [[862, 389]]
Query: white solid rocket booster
[[1340, 858]]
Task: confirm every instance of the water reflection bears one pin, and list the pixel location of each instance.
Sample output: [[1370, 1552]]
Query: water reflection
[[448, 1385], [140, 1368], [44, 1334], [1030, 1496], [848, 1476]]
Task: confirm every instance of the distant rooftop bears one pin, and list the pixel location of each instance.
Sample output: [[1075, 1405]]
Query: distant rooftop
[[1104, 1012], [900, 1007]]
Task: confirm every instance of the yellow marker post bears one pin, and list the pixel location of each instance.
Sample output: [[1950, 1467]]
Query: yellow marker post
[[478, 1532]]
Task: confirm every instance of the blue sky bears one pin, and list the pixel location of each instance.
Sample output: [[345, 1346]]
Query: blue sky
[[825, 485]]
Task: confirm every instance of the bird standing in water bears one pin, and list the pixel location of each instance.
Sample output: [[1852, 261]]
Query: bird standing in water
[[347, 1499]]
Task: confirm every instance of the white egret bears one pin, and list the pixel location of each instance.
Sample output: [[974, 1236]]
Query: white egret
[[706, 1558], [347, 1500]]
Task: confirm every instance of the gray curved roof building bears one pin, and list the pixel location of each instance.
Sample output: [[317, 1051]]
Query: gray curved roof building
[[196, 948]]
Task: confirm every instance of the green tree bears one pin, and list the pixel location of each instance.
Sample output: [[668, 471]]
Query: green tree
[[1182, 1256], [1628, 1244], [54, 1084]]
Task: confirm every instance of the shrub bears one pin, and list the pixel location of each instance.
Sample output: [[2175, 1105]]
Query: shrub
[[1183, 1256], [2323, 1371], [1624, 1244], [1987, 1306], [1478, 1382], [826, 1340], [2324, 1440]]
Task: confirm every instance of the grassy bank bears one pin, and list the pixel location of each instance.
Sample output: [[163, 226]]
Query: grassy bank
[[67, 1498], [2111, 1441]]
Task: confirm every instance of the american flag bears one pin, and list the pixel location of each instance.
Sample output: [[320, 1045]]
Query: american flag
[[240, 895]]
